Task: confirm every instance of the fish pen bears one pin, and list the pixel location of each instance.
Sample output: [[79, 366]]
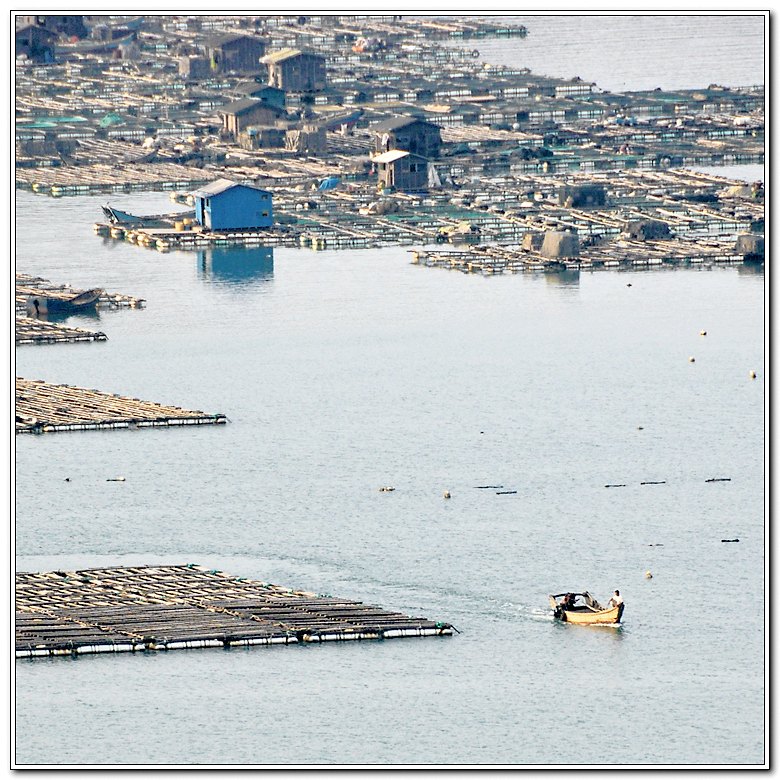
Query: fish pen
[[619, 254], [499, 210], [157, 608], [42, 407], [33, 331]]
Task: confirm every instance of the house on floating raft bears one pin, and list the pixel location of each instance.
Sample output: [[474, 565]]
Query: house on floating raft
[[405, 171], [228, 205]]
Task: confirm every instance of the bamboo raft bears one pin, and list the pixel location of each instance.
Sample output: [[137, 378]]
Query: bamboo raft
[[46, 408], [620, 253], [31, 286], [153, 608], [32, 331]]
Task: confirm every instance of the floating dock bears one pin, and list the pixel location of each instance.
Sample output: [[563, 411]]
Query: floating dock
[[47, 408], [154, 608], [32, 331]]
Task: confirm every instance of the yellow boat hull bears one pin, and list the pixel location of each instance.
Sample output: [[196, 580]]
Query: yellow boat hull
[[586, 617]]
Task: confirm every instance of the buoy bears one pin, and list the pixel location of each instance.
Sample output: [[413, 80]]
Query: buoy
[[447, 494], [639, 428], [629, 285], [752, 374], [115, 479], [67, 479], [702, 332], [691, 359], [648, 575], [386, 489]]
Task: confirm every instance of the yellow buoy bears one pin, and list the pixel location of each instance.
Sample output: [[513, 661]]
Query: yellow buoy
[[752, 374], [702, 332], [447, 494], [648, 575], [691, 359]]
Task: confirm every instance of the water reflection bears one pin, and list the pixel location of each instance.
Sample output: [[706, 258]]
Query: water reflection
[[567, 278], [237, 265], [751, 269]]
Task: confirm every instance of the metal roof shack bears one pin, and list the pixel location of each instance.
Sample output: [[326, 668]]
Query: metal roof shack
[[230, 205], [294, 70], [403, 170], [235, 52], [409, 133], [241, 113]]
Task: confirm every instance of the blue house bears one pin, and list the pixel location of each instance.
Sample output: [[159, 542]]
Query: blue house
[[228, 205]]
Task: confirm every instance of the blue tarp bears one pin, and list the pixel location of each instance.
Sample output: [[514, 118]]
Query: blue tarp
[[330, 183]]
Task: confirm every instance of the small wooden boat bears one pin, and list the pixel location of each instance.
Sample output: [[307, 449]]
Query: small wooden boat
[[59, 303], [587, 612], [118, 217]]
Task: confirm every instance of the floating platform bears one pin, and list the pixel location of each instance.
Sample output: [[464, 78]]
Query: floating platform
[[615, 254], [46, 408], [153, 608], [32, 331]]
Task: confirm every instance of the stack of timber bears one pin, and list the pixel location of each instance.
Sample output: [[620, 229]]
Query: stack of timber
[[32, 331], [43, 408], [145, 608]]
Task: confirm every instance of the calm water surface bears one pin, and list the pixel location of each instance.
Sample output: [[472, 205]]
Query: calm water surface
[[344, 371]]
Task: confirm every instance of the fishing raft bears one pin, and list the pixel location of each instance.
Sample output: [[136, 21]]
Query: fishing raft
[[150, 608]]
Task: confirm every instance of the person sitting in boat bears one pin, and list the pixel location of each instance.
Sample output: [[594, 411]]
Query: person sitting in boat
[[616, 600], [568, 601]]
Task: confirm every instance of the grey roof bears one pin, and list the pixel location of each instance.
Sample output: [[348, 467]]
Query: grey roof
[[213, 41], [221, 185], [247, 104], [253, 87], [396, 123]]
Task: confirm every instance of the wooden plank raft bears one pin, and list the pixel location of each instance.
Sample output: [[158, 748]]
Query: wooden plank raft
[[43, 408], [129, 609], [32, 331]]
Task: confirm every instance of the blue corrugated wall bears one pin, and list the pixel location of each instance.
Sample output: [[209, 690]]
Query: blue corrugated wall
[[236, 208]]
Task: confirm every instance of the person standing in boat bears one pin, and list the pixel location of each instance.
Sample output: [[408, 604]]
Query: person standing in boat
[[616, 600]]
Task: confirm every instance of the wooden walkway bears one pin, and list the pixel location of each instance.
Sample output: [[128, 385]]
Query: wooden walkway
[[32, 331], [44, 408], [129, 609]]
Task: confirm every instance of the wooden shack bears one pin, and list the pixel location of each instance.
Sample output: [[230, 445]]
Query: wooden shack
[[237, 53], [65, 25], [409, 134], [194, 68], [403, 170], [241, 114], [35, 43], [229, 205], [296, 71]]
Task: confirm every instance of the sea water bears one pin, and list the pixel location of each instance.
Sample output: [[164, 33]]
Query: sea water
[[341, 372]]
